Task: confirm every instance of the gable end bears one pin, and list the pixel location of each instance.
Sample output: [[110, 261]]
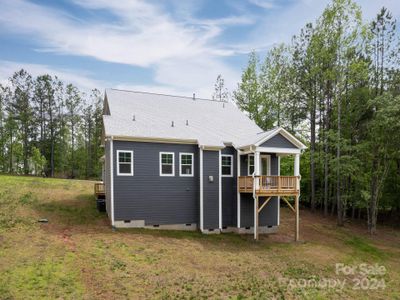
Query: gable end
[[278, 141]]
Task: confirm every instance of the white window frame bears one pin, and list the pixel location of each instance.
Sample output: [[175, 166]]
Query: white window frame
[[173, 164], [180, 165], [118, 163], [248, 164], [231, 156]]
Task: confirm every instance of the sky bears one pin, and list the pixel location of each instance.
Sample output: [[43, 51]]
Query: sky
[[171, 46]]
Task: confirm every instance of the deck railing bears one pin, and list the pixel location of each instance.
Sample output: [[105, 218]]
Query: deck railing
[[99, 189], [268, 184]]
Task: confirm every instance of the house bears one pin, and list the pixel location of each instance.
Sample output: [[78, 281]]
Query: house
[[187, 163]]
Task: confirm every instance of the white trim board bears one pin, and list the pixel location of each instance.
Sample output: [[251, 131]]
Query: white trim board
[[238, 193], [201, 191], [278, 150], [112, 181], [220, 186]]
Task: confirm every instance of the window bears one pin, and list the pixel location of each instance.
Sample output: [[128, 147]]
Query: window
[[226, 165], [250, 165], [186, 164], [125, 163], [167, 167]]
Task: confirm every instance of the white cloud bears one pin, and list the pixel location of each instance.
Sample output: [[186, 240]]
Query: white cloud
[[267, 4], [82, 80], [142, 35]]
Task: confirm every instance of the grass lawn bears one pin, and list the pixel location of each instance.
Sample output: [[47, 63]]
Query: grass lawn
[[77, 255]]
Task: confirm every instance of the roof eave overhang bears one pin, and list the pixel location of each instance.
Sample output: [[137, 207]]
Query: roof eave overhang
[[153, 139]]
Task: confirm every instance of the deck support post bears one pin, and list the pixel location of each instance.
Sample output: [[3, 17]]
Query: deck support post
[[256, 218], [296, 205], [296, 199]]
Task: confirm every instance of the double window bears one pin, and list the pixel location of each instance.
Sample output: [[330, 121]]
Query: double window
[[167, 164], [186, 164], [125, 163], [226, 165]]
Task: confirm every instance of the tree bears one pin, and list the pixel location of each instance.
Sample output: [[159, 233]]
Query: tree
[[73, 106], [220, 91], [20, 106], [249, 96]]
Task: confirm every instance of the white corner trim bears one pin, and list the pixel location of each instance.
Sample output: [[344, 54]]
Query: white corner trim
[[201, 191], [279, 197], [180, 164], [220, 163], [238, 193], [112, 181], [117, 163], [220, 186], [173, 164]]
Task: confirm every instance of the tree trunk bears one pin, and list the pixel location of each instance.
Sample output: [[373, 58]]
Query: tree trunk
[[312, 154]]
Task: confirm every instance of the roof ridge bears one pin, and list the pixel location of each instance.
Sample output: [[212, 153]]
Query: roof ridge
[[169, 95]]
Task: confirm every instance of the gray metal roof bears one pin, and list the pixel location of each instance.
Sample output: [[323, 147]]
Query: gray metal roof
[[165, 117]]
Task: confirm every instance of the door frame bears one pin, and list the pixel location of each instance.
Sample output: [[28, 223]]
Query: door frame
[[268, 157]]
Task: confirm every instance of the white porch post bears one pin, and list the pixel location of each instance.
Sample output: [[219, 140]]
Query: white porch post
[[297, 173], [238, 193], [297, 168], [256, 184]]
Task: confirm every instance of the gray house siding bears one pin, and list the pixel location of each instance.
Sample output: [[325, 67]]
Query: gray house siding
[[107, 178], [229, 192], [158, 200], [211, 189], [278, 141], [269, 214]]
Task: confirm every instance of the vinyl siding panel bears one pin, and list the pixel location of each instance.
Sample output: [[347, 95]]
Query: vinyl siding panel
[[211, 189], [278, 141], [229, 192], [156, 199]]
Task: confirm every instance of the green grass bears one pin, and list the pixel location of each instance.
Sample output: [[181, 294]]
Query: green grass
[[76, 255]]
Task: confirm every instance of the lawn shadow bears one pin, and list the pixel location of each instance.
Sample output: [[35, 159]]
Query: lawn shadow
[[81, 210]]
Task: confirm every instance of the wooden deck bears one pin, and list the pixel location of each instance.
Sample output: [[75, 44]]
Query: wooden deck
[[269, 185], [99, 190]]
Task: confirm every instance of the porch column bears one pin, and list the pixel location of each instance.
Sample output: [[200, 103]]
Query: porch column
[[256, 185], [296, 204]]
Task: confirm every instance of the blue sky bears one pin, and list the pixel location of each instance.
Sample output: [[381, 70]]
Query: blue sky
[[175, 46]]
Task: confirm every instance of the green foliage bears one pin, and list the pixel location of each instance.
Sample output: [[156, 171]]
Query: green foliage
[[336, 85], [44, 125]]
